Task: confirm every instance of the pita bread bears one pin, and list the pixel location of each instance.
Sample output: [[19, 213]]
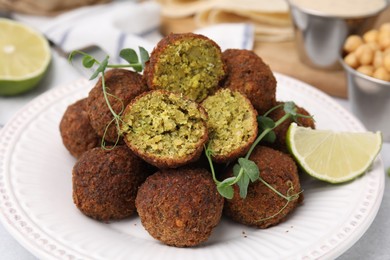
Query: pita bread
[[270, 18]]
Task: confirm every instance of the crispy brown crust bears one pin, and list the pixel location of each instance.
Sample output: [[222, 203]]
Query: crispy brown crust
[[105, 183], [150, 65], [166, 162], [76, 131], [125, 85], [277, 169], [247, 73], [179, 207], [281, 130]]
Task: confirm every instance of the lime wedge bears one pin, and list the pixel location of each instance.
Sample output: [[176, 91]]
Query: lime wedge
[[24, 57], [330, 156]]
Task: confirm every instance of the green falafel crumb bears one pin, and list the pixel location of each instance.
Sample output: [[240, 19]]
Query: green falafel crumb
[[164, 124], [231, 121], [191, 66]]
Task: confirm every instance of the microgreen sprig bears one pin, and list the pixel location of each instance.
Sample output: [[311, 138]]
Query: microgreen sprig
[[245, 170], [288, 197], [133, 61]]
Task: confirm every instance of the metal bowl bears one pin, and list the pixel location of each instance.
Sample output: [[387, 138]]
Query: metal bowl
[[369, 100], [319, 38]]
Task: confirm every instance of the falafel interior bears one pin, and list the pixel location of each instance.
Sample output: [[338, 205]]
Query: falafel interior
[[192, 66], [231, 120], [164, 124]]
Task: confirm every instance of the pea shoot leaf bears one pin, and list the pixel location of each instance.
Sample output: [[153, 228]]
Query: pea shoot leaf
[[236, 169], [129, 55], [226, 191], [243, 183], [250, 168], [265, 122], [270, 137], [144, 56], [102, 67], [290, 108], [88, 61], [228, 181]]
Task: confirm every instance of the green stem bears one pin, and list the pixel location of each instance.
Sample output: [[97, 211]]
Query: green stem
[[273, 109], [277, 213], [264, 133], [106, 96], [115, 115], [273, 189], [239, 176], [208, 155], [124, 65]]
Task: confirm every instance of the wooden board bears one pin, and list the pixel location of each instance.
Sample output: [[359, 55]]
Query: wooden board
[[282, 57]]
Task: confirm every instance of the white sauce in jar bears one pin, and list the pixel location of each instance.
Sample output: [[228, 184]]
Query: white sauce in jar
[[340, 8]]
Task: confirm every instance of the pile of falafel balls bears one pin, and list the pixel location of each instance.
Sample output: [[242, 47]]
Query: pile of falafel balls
[[190, 95]]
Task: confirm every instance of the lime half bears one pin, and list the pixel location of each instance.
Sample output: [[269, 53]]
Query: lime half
[[24, 57], [330, 156]]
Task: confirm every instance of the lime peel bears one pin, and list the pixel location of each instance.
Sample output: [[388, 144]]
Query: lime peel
[[330, 156], [25, 57]]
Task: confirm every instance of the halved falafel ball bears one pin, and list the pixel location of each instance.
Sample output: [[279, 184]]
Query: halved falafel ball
[[232, 124], [281, 130], [165, 129], [76, 131], [122, 85], [105, 182], [186, 63], [262, 207], [247, 73], [179, 207]]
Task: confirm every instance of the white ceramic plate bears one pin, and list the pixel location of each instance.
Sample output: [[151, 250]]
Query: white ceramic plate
[[37, 208]]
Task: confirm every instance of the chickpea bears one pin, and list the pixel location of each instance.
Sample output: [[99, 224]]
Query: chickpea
[[374, 46], [378, 59], [386, 51], [366, 69], [352, 43], [370, 54], [384, 39], [371, 36], [385, 27], [381, 73], [365, 54], [351, 60], [386, 61]]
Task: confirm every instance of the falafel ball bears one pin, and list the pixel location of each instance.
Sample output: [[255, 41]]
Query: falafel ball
[[76, 131], [105, 182], [281, 130], [122, 85], [165, 129], [247, 73], [232, 124], [262, 207], [179, 207], [186, 63]]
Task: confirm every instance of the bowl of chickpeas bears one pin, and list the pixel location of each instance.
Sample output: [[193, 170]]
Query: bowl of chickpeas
[[366, 60], [321, 27]]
